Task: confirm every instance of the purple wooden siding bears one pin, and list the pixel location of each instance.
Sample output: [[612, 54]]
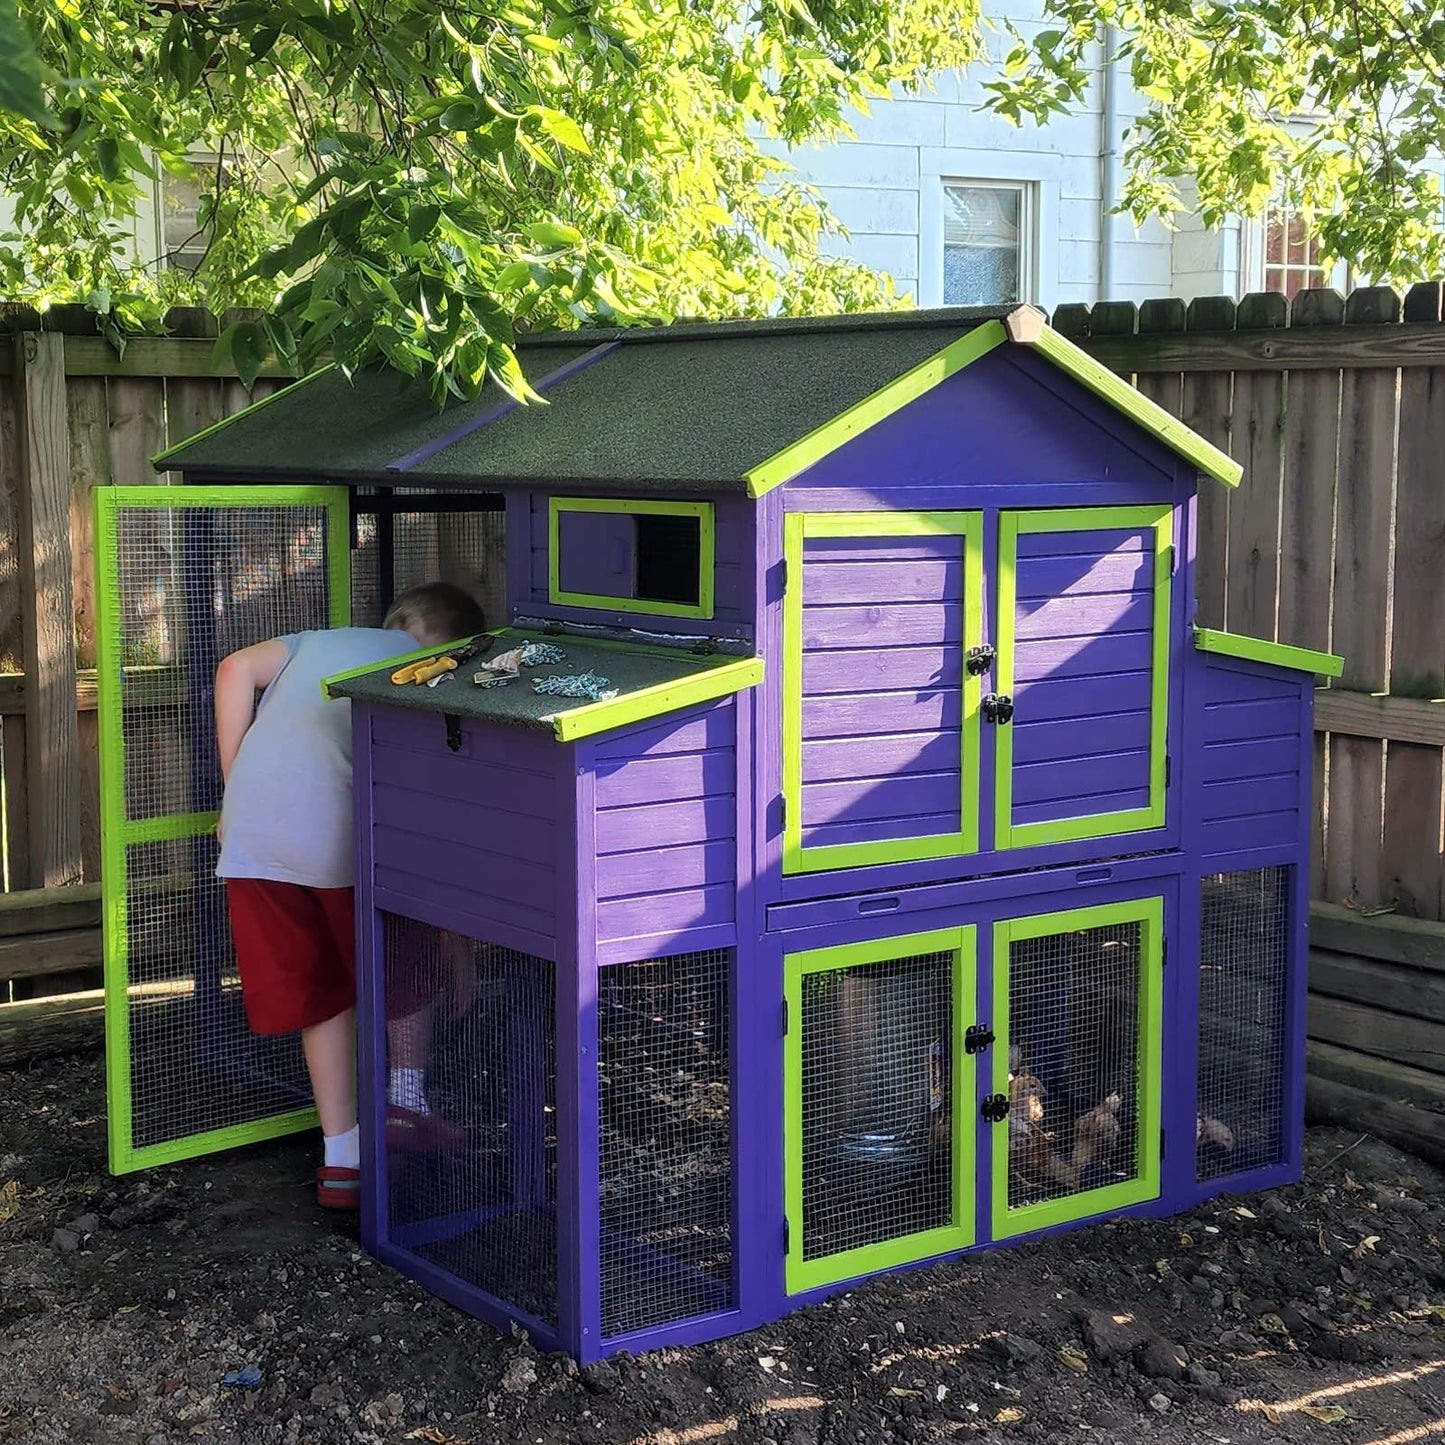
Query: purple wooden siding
[[1000, 420], [1250, 767], [666, 828], [1083, 621], [883, 630], [470, 831], [732, 576]]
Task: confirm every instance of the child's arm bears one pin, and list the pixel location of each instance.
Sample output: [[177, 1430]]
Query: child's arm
[[238, 679]]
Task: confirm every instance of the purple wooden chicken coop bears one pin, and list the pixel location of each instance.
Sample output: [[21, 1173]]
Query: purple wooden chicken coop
[[848, 854]]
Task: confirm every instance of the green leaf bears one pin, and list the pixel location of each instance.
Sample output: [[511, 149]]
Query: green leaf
[[421, 222], [564, 130], [554, 236], [21, 92]]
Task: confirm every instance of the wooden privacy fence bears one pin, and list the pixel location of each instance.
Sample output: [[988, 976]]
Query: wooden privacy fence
[[1334, 540]]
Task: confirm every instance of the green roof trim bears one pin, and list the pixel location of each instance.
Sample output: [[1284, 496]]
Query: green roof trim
[[1027, 327], [161, 458], [1278, 654], [858, 418], [665, 697], [422, 654]]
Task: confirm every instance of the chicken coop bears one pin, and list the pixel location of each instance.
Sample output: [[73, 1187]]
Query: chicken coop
[[845, 853]]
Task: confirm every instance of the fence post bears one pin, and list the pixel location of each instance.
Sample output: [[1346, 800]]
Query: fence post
[[52, 743]]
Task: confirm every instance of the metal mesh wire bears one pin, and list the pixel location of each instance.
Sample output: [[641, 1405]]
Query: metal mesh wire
[[665, 1157], [877, 1102], [195, 584], [1243, 957], [1074, 1067], [471, 1185], [426, 546], [194, 1063]]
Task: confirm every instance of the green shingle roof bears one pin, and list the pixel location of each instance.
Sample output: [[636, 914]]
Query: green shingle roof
[[678, 406]]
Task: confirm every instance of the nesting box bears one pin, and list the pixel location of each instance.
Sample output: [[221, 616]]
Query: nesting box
[[909, 875]]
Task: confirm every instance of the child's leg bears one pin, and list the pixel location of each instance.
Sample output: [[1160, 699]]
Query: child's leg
[[330, 1050], [408, 1054]]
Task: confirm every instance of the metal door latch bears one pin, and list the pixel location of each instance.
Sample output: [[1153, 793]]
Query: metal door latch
[[980, 659], [977, 1038], [998, 707], [995, 1108]]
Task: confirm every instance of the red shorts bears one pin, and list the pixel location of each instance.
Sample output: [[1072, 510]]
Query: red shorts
[[296, 951]]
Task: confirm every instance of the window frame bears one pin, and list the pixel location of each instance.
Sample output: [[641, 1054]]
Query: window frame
[[558, 596], [174, 257], [1028, 234], [1257, 268]]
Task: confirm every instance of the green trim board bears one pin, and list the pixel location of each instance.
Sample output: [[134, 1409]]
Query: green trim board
[[1149, 1036], [652, 702], [1013, 525], [801, 1274], [120, 833], [1276, 654], [797, 528], [1028, 328], [420, 654], [161, 458], [707, 554], [807, 450]]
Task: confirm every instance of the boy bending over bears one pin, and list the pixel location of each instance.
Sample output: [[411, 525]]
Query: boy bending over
[[287, 844]]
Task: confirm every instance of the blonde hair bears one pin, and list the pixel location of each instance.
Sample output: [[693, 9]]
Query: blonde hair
[[436, 612]]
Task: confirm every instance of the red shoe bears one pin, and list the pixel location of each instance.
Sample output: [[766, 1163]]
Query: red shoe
[[338, 1188], [407, 1130]]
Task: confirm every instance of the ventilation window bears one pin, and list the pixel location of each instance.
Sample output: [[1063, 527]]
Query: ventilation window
[[628, 556]]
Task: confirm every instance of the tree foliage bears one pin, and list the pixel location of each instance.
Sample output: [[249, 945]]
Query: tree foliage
[[1336, 105], [413, 179]]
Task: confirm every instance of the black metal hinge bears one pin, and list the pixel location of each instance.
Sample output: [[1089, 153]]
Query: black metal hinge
[[998, 708], [980, 659], [1168, 770], [783, 576], [787, 1022], [1173, 554], [454, 732], [787, 1235], [976, 1038], [783, 813], [1163, 953], [994, 1108], [1163, 1143]]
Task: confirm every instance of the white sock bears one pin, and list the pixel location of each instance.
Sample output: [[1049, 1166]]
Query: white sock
[[406, 1089], [343, 1151]]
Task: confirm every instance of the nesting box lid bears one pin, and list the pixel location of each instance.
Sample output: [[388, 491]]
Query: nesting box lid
[[638, 682], [728, 406]]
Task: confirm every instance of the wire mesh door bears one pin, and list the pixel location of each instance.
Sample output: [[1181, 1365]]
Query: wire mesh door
[[186, 575], [876, 1105], [1077, 1063]]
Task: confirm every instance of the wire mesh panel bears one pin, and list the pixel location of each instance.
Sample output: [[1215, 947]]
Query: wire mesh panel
[[194, 584], [1243, 972], [878, 1166], [194, 1064], [665, 1165], [187, 575], [1077, 1071], [471, 1120]]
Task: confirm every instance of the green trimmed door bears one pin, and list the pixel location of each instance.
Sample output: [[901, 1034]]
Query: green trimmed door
[[879, 1118], [186, 575], [1077, 1014], [1083, 656], [880, 712]]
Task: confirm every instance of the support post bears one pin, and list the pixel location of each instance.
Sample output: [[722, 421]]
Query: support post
[[51, 732]]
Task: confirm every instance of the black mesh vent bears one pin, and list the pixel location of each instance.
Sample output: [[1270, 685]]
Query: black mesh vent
[[1073, 1062], [1243, 955], [876, 1106], [471, 1162], [665, 1117]]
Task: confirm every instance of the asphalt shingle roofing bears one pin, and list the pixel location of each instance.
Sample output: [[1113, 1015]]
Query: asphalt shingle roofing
[[690, 406]]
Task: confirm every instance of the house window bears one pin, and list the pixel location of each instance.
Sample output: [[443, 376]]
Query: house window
[[987, 243], [631, 556], [185, 206], [1292, 254]]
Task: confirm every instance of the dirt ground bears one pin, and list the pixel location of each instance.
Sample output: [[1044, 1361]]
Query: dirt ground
[[1316, 1313]]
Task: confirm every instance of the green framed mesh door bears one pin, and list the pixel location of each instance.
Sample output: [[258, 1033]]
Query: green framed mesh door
[[1078, 1056], [186, 575], [878, 1121]]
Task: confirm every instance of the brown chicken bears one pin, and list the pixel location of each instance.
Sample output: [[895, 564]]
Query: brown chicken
[[1096, 1133], [1030, 1146]]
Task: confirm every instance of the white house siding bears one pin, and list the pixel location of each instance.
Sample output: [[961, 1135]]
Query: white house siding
[[886, 188]]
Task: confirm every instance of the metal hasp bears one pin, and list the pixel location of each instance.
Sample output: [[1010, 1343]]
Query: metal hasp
[[994, 1108], [980, 659], [976, 1038], [998, 708]]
